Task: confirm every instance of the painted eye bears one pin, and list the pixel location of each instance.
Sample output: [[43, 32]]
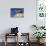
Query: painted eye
[[26, 43], [19, 44], [22, 44]]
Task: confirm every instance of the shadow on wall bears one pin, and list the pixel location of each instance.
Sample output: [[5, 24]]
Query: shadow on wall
[[32, 30], [7, 31]]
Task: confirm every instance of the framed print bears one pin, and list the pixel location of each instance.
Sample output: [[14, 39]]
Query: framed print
[[17, 12]]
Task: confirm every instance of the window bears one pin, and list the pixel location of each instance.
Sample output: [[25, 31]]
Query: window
[[41, 8]]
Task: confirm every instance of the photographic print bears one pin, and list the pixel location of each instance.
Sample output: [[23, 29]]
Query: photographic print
[[17, 12]]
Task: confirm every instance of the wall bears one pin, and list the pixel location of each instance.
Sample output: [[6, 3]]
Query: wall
[[24, 24]]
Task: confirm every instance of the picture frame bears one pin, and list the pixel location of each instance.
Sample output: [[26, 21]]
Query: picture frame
[[17, 12]]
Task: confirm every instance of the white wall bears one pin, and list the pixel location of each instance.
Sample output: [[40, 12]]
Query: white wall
[[24, 24]]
